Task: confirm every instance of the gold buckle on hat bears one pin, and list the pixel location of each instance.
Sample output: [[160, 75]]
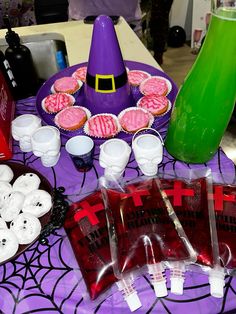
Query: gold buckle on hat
[[101, 77]]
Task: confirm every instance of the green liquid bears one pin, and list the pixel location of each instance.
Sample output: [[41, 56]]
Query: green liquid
[[205, 102]]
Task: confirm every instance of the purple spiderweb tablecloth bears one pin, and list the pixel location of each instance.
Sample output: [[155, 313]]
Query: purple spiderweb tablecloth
[[47, 278]]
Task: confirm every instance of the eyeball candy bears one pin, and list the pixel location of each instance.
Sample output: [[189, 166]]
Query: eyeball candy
[[6, 174], [37, 203], [26, 183], [26, 227], [11, 204], [8, 244]]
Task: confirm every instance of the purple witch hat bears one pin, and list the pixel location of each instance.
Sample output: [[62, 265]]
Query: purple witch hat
[[106, 89]]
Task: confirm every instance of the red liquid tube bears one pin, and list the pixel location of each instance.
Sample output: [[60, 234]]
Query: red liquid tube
[[216, 274], [155, 267], [177, 268]]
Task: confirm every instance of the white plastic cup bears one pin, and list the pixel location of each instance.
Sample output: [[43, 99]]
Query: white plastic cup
[[81, 151], [46, 144]]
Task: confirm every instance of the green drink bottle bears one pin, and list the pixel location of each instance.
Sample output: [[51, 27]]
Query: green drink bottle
[[205, 102]]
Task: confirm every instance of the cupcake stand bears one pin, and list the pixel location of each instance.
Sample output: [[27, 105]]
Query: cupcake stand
[[45, 90], [46, 278]]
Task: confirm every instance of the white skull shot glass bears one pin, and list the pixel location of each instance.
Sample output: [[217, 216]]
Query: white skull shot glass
[[114, 156], [22, 128], [148, 151], [46, 144]]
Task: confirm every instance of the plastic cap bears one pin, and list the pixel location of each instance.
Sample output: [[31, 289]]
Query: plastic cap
[[133, 302], [217, 287], [177, 285], [160, 289]]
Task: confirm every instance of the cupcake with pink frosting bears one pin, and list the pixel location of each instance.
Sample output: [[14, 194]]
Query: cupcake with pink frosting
[[54, 103], [155, 85], [156, 105], [133, 119], [136, 77], [72, 118], [102, 125], [80, 74], [66, 84]]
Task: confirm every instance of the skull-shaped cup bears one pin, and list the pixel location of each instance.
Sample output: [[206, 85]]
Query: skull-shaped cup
[[22, 128], [114, 156], [46, 144], [148, 151]]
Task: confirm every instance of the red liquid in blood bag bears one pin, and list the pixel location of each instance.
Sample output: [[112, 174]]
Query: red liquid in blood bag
[[145, 232], [190, 203], [225, 209], [86, 228]]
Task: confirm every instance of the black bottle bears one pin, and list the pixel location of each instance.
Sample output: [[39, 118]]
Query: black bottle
[[21, 63], [8, 75]]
